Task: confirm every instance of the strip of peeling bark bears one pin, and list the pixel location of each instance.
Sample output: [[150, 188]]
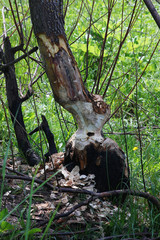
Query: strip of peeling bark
[[14, 103], [87, 147]]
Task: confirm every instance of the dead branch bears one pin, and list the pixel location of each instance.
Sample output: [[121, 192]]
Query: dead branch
[[49, 135], [66, 214], [145, 235], [114, 193]]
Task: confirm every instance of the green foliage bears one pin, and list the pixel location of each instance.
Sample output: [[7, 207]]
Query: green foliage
[[4, 226]]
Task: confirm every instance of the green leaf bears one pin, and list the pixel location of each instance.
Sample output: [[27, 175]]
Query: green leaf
[[33, 231], [5, 226], [3, 213]]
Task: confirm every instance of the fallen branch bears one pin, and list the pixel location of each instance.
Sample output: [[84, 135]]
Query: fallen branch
[[114, 193], [120, 236], [72, 233], [66, 214], [69, 233]]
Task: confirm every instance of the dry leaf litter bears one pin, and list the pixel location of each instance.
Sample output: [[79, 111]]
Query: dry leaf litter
[[45, 202]]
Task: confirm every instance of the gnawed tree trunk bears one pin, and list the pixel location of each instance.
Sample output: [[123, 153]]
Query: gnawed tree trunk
[[87, 147]]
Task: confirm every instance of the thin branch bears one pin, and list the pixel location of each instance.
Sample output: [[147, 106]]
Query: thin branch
[[56, 106], [8, 127], [87, 29], [102, 49], [88, 37], [29, 38], [120, 236], [66, 7], [21, 30], [139, 131], [71, 210], [15, 22], [69, 233], [79, 14], [4, 23], [136, 81], [125, 138], [120, 47], [28, 94], [65, 122], [33, 82], [133, 102], [4, 66]]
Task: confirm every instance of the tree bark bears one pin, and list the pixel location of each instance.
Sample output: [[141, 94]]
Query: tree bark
[[14, 103], [153, 11], [87, 147]]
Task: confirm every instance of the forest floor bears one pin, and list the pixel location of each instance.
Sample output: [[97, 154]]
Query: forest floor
[[58, 199], [23, 196]]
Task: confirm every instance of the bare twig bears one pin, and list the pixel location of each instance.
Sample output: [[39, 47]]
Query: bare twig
[[136, 81], [120, 236], [120, 46], [4, 23], [71, 210], [139, 135], [69, 233], [14, 18], [66, 7], [21, 30], [56, 106], [79, 14], [88, 37], [102, 49], [8, 127]]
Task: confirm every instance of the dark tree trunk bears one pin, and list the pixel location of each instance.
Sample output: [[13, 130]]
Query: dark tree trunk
[[14, 103], [87, 147]]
